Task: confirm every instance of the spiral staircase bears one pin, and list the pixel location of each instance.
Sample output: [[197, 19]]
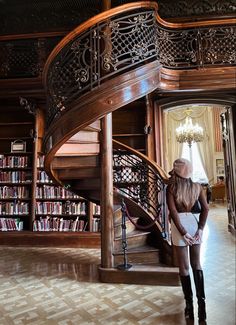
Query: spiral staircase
[[107, 62]]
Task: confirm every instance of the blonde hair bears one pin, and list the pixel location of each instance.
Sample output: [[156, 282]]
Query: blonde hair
[[185, 191]]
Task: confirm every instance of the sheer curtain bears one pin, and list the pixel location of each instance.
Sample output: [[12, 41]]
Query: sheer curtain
[[201, 115]]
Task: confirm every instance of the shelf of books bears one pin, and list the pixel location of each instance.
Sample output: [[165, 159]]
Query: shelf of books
[[57, 209], [15, 190], [34, 210]]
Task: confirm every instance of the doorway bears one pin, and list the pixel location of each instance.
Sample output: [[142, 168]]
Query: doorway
[[213, 158]]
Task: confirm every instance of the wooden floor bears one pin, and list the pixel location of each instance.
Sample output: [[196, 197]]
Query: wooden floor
[[41, 286]]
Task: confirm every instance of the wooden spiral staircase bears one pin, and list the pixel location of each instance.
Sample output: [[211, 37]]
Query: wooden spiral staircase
[[96, 69]]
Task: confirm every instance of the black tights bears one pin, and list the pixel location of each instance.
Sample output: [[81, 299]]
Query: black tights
[[186, 253]]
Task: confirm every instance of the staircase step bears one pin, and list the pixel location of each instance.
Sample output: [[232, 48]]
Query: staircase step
[[139, 255], [95, 126], [70, 149], [134, 239], [75, 162], [130, 227], [86, 184], [70, 174], [141, 274], [84, 137]]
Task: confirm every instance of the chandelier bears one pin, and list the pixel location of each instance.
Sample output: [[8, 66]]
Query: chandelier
[[189, 132]]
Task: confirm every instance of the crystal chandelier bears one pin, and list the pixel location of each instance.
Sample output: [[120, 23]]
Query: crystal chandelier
[[189, 132]]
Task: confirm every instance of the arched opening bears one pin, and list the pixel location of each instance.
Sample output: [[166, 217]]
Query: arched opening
[[213, 158]]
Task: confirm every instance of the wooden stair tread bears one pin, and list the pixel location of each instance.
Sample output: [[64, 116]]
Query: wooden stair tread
[[135, 233], [138, 250], [119, 223], [142, 274]]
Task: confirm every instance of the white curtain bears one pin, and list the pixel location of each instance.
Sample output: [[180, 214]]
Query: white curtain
[[201, 115]]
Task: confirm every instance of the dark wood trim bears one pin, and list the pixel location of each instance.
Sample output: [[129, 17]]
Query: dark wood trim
[[198, 80], [51, 239], [33, 35]]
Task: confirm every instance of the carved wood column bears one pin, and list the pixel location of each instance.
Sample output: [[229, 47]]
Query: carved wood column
[[107, 228], [150, 129]]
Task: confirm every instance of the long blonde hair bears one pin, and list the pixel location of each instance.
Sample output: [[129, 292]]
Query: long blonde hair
[[185, 191]]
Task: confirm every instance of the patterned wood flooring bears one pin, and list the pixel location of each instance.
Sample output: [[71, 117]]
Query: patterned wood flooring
[[41, 286]]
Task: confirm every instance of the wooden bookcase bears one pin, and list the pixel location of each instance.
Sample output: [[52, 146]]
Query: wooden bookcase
[[34, 210], [133, 132], [16, 148]]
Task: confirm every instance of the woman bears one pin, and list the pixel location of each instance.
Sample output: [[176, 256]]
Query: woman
[[186, 231]]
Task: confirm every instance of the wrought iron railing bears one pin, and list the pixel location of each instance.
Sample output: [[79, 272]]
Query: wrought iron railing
[[125, 39], [99, 53], [135, 177], [196, 47]]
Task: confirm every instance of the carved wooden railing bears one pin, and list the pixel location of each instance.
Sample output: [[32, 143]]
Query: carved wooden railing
[[124, 38], [143, 181]]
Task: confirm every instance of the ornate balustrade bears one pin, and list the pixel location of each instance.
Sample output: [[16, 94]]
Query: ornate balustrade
[[141, 180], [116, 43], [126, 37]]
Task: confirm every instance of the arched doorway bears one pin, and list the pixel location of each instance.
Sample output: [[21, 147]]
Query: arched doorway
[[220, 133]]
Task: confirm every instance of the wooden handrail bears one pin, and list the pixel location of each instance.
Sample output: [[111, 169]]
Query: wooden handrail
[[156, 167]]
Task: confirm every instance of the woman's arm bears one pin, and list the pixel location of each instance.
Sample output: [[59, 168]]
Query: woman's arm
[[204, 210], [202, 217]]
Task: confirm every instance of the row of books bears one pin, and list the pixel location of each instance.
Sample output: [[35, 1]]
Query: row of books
[[54, 192], [40, 161], [96, 224], [10, 224], [59, 224], [96, 209], [15, 176], [15, 162], [43, 177], [14, 208], [14, 192], [71, 208]]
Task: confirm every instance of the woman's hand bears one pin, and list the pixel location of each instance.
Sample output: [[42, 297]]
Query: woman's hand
[[198, 236], [189, 240]]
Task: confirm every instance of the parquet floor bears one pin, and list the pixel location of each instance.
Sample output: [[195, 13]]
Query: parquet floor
[[41, 286]]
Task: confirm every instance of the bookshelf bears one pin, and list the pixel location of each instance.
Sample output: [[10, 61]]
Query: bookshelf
[[132, 133], [34, 210], [16, 147], [219, 166], [58, 209]]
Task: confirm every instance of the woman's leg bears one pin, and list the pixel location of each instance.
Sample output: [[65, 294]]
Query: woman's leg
[[199, 280], [183, 259], [183, 262], [195, 257]]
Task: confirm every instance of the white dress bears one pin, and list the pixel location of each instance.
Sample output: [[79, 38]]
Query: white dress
[[189, 222]]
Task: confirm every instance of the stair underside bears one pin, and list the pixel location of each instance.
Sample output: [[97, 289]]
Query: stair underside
[[141, 274]]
